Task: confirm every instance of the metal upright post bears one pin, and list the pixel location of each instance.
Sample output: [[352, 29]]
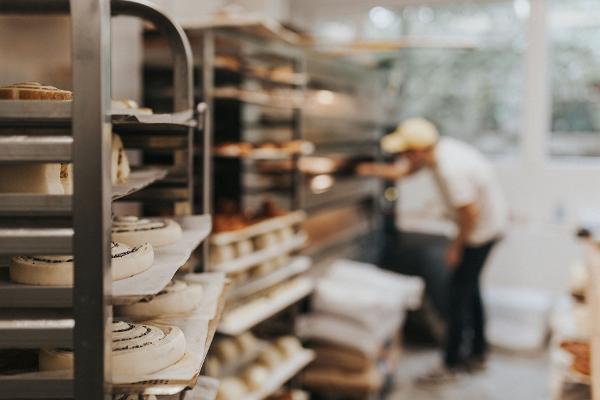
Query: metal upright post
[[91, 198], [208, 80]]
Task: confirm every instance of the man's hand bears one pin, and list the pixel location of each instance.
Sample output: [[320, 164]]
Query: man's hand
[[366, 169], [454, 256]]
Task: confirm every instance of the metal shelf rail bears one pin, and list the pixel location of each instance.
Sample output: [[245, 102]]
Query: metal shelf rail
[[81, 134]]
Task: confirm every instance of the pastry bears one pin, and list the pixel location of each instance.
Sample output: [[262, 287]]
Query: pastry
[[42, 270], [212, 366], [33, 91], [255, 376], [120, 170], [226, 351], [264, 268], [222, 253], [298, 147], [246, 342], [288, 346], [231, 389], [134, 231], [270, 357], [281, 261], [58, 270], [286, 234], [231, 149], [178, 297], [127, 261], [31, 178], [265, 241], [244, 248], [136, 350]]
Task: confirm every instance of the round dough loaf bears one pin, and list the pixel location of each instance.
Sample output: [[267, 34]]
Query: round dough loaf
[[255, 376], [42, 270], [246, 342], [136, 350], [226, 351], [212, 366], [58, 270], [270, 357], [221, 254], [55, 360], [288, 346], [286, 234], [178, 297], [120, 169], [231, 389], [127, 261], [244, 248], [134, 231], [265, 241]]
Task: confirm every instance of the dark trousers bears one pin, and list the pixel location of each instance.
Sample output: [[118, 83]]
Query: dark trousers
[[466, 318]]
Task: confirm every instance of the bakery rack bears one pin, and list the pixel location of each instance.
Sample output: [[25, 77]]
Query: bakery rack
[[79, 131]]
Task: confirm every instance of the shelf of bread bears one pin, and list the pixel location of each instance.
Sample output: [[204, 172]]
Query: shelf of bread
[[295, 266], [259, 228], [32, 204], [242, 317], [251, 368], [285, 100], [258, 257], [139, 269], [24, 148], [284, 372], [171, 350], [265, 151]]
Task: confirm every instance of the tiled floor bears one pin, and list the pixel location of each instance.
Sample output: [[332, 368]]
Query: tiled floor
[[508, 377]]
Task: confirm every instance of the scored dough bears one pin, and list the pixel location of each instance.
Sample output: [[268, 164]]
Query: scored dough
[[127, 261], [178, 297], [58, 270], [134, 231], [136, 350]]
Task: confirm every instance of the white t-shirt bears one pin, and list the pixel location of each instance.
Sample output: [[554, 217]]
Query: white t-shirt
[[464, 176]]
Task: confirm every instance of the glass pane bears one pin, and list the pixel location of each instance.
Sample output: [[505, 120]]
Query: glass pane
[[574, 33]]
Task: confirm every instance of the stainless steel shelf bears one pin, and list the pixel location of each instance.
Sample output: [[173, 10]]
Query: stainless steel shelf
[[38, 110], [35, 387], [35, 204], [36, 241], [15, 295], [35, 148], [138, 180], [36, 332]]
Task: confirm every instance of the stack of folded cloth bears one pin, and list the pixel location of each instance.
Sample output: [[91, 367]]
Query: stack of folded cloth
[[357, 311]]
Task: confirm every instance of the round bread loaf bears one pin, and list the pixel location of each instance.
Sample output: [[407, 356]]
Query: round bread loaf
[[134, 231], [270, 357], [231, 389], [265, 241], [244, 248], [222, 253], [246, 342], [226, 351], [255, 376], [288, 346]]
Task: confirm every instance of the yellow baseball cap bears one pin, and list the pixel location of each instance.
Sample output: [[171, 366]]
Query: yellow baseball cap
[[411, 134]]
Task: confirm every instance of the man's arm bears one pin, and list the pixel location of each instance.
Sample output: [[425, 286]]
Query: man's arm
[[389, 172], [466, 219]]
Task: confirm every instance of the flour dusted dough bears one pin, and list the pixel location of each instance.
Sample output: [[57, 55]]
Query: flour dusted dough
[[120, 169], [178, 297], [136, 350], [135, 231], [31, 178], [127, 261], [255, 376], [288, 346], [42, 270], [58, 270], [231, 389]]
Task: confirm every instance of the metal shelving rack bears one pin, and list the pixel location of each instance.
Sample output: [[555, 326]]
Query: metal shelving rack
[[79, 224]]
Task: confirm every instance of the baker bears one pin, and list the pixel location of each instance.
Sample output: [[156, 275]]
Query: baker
[[473, 197]]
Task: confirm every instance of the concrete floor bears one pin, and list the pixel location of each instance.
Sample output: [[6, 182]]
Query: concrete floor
[[508, 376]]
